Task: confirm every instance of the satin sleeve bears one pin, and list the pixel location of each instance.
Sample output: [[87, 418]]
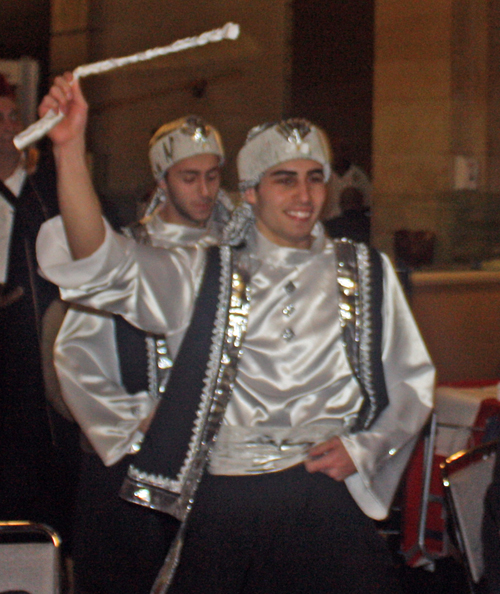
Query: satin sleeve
[[152, 287], [381, 453], [88, 371]]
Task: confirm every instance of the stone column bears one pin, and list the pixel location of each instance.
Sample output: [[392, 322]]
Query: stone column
[[431, 116], [69, 45]]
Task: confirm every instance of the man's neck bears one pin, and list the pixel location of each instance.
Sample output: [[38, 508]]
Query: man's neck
[[167, 217], [8, 164]]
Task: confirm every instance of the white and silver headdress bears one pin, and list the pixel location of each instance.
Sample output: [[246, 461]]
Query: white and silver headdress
[[270, 144], [181, 139]]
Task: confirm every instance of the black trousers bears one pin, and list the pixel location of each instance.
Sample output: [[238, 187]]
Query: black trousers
[[289, 532], [118, 547]]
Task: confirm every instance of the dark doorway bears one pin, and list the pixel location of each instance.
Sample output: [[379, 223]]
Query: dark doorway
[[25, 32], [332, 69]]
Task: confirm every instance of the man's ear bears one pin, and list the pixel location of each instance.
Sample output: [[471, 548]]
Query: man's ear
[[250, 196]]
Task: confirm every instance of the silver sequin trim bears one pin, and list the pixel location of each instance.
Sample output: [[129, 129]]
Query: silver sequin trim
[[355, 307], [366, 334], [227, 339], [159, 365]]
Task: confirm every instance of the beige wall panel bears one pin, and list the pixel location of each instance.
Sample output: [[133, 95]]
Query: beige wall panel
[[461, 327], [67, 51], [402, 28], [412, 174], [412, 79], [412, 127], [69, 15]]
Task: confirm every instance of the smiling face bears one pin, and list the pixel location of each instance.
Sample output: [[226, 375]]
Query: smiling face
[[191, 186], [287, 202]]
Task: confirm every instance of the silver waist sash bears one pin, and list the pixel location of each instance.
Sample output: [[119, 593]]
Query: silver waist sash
[[263, 449]]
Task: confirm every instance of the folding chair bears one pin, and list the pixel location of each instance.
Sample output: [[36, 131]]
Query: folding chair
[[466, 478], [424, 519], [29, 558]]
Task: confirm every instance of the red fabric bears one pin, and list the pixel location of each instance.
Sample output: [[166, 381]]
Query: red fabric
[[489, 408], [412, 500], [413, 485]]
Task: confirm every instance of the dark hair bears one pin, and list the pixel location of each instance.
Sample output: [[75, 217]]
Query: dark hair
[[6, 90]]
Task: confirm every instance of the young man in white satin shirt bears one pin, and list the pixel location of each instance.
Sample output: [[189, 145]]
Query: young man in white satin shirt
[[314, 386]]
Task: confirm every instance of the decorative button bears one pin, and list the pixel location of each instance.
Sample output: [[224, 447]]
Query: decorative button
[[135, 447], [143, 495], [288, 334], [288, 310], [290, 287], [164, 363]]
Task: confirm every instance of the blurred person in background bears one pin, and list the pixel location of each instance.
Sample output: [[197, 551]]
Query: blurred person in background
[[36, 473], [113, 375]]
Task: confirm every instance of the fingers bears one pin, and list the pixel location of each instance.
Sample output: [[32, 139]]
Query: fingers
[[64, 92], [332, 459], [76, 91], [321, 448]]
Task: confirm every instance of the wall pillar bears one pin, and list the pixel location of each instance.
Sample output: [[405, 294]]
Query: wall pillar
[[70, 35], [432, 86]]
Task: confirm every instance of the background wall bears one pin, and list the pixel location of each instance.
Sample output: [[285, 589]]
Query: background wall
[[435, 109], [294, 58], [413, 86]]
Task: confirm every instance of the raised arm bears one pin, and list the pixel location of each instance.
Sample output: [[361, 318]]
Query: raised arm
[[78, 202]]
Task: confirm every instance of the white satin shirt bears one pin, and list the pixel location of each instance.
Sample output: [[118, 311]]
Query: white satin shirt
[[294, 381], [88, 368]]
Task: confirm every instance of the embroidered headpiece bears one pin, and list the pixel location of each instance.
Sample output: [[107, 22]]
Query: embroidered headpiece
[[181, 139], [270, 144]]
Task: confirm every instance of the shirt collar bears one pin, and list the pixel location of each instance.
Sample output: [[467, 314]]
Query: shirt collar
[[276, 255], [16, 180]]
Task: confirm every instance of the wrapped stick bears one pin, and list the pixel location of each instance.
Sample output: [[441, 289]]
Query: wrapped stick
[[51, 119]]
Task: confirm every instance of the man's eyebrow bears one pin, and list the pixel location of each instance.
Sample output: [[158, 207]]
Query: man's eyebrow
[[291, 172], [283, 172], [198, 171]]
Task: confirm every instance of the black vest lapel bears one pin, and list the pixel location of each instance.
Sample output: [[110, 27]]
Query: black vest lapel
[[7, 194], [164, 449]]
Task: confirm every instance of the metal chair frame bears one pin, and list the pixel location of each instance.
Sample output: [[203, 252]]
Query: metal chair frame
[[25, 534], [467, 532]]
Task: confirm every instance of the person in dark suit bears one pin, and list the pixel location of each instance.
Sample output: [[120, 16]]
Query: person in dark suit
[[354, 223], [32, 481]]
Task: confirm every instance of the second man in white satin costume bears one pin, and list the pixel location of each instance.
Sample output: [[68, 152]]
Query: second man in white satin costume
[[117, 544]]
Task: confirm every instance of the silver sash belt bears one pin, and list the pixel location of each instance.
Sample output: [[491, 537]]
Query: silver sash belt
[[263, 449]]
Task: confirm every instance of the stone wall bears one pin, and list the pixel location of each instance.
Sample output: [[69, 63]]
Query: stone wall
[[232, 84], [435, 89], [436, 99]]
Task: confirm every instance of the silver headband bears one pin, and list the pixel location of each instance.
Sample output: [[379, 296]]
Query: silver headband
[[181, 139], [271, 144]]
